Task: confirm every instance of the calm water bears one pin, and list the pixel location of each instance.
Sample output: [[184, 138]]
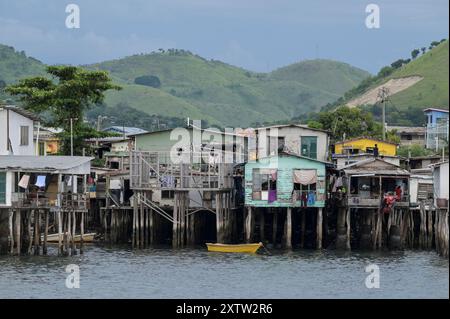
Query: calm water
[[166, 273]]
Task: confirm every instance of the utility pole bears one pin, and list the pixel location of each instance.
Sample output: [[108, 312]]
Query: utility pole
[[383, 96], [71, 134]]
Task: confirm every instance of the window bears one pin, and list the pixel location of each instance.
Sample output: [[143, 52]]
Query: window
[[41, 148], [275, 144], [167, 194], [2, 188], [264, 184], [309, 146], [24, 135]]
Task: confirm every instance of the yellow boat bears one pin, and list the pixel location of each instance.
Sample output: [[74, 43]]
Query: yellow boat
[[239, 248]]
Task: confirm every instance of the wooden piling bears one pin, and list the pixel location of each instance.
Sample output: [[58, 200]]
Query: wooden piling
[[17, 231], [44, 246], [60, 230], [11, 231], [274, 227], [288, 228], [249, 225], [36, 232], [319, 226], [303, 229], [261, 224], [30, 232], [219, 217], [74, 229]]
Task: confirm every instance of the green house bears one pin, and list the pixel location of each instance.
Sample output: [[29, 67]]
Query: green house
[[285, 180]]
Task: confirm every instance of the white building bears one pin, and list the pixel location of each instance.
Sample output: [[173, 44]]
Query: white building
[[440, 178], [293, 138], [16, 131]]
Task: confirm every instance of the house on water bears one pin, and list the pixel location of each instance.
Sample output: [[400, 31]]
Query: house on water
[[371, 187], [293, 138], [361, 148], [42, 190], [184, 189], [281, 191]]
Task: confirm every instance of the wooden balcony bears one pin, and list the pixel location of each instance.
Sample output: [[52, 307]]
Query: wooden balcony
[[355, 201], [44, 200]]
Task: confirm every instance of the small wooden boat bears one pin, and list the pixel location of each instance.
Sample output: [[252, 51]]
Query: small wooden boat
[[87, 238], [239, 248]]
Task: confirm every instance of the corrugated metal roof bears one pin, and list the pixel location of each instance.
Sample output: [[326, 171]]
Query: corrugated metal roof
[[359, 167], [365, 138], [21, 111], [127, 130], [42, 163], [304, 126], [375, 171]]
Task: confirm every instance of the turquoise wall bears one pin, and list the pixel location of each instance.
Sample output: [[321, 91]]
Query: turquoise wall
[[285, 165]]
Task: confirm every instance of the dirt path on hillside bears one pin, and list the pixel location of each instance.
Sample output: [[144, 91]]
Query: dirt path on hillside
[[394, 86]]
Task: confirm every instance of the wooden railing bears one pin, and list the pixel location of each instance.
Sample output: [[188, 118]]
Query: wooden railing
[[50, 200]]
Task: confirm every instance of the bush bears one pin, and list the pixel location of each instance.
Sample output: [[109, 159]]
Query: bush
[[148, 80], [413, 150]]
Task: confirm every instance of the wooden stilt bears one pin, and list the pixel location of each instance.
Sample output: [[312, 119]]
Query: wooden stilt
[[219, 218], [175, 221], [36, 232], [274, 227], [303, 229], [60, 232], [134, 222], [11, 231], [81, 232], [248, 225], [261, 224], [17, 230], [74, 232], [151, 225], [30, 232], [348, 228], [288, 228], [319, 229], [44, 247]]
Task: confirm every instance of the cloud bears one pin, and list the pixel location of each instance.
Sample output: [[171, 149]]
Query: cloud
[[74, 46]]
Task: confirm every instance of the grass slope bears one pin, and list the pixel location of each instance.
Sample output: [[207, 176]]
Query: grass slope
[[225, 94], [16, 65], [432, 91]]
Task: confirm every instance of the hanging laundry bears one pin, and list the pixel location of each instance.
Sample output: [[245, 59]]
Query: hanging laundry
[[311, 198], [337, 184], [115, 184], [305, 176], [304, 199], [272, 195], [167, 181], [40, 181], [24, 181], [294, 196]]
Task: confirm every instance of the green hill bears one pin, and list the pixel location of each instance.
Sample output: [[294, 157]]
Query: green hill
[[177, 84], [432, 91], [418, 84], [15, 65], [223, 94]]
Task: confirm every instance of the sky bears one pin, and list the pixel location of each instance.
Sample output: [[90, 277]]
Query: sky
[[258, 35]]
